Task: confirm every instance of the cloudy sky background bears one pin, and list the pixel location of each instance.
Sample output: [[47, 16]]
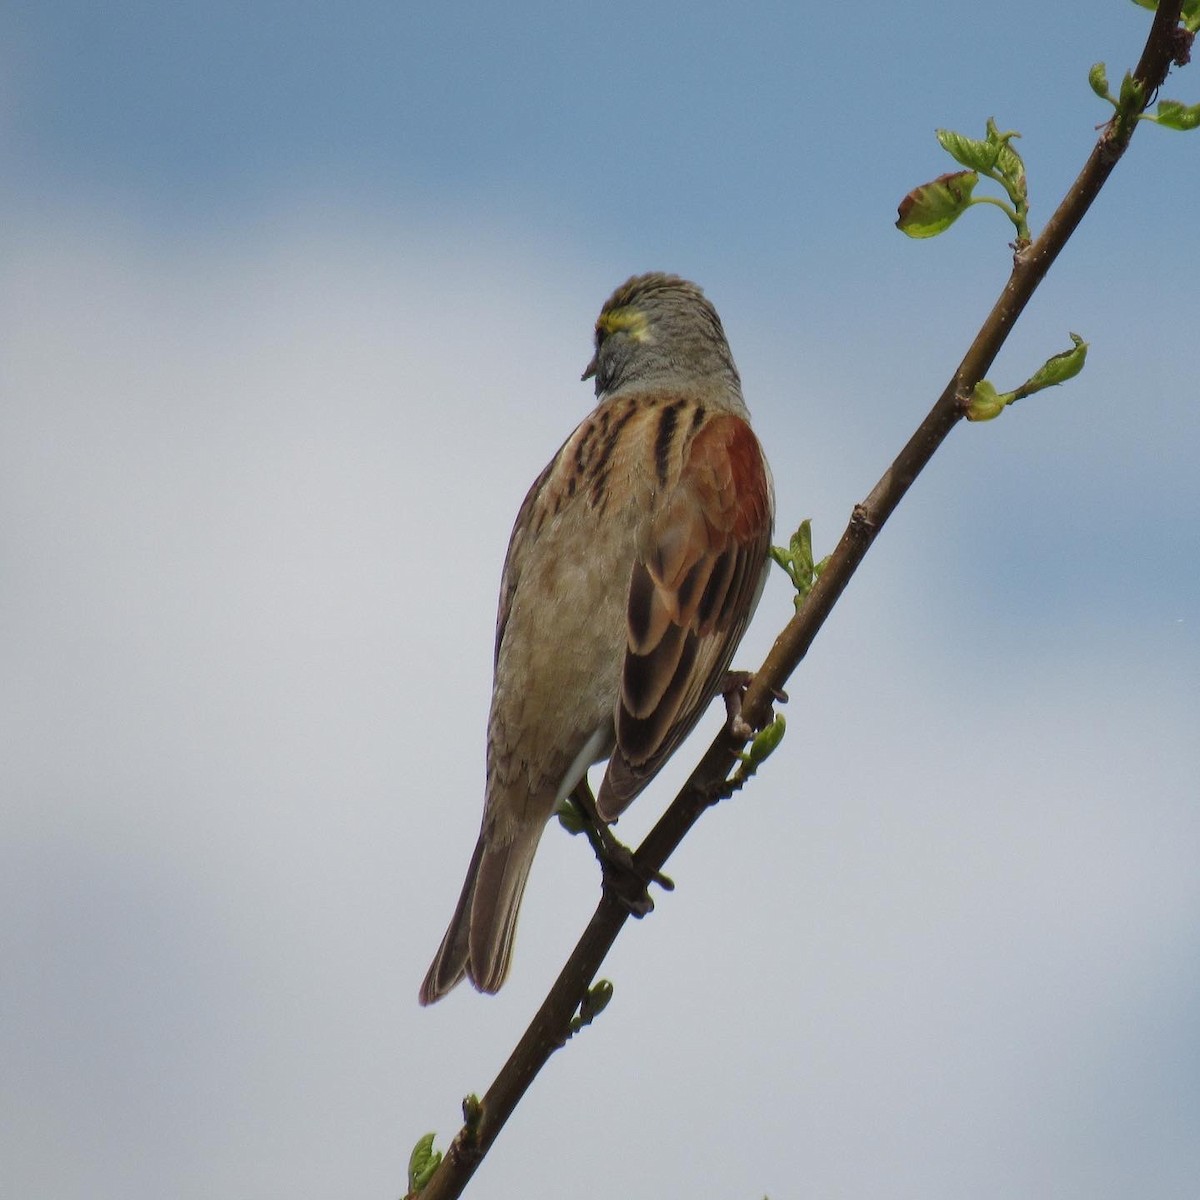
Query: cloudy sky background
[[293, 305]]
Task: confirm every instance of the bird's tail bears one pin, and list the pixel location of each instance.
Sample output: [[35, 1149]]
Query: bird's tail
[[479, 940]]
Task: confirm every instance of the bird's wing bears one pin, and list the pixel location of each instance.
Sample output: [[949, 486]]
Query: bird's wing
[[525, 530], [691, 595]]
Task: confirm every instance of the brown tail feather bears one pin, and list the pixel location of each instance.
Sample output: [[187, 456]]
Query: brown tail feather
[[450, 962], [479, 940]]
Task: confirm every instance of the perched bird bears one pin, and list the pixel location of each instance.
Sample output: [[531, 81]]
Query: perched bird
[[634, 566]]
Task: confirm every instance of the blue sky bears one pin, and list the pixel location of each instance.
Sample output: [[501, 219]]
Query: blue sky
[[294, 305]]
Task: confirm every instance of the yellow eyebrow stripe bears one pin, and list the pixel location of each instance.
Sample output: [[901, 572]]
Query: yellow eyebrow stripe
[[628, 320]]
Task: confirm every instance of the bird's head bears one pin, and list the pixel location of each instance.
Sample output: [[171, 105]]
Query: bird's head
[[657, 329]]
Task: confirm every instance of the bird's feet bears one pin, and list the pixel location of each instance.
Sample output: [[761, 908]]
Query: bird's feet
[[624, 882], [619, 872], [733, 692]]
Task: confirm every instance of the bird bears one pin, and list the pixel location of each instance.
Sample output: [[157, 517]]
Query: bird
[[635, 564]]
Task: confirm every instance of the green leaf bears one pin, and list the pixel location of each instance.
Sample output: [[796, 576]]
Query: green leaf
[[1008, 162], [596, 1001], [599, 995], [422, 1163], [801, 550], [1174, 115], [766, 742], [1059, 368], [993, 154], [933, 207], [986, 403], [472, 1110], [1133, 94], [591, 1006], [797, 561], [969, 152], [1098, 79]]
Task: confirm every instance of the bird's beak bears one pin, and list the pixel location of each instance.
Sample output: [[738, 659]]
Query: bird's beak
[[590, 370]]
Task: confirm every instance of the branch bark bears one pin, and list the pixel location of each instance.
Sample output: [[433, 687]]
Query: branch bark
[[549, 1027]]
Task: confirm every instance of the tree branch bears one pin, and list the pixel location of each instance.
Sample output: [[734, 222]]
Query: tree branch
[[550, 1026]]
